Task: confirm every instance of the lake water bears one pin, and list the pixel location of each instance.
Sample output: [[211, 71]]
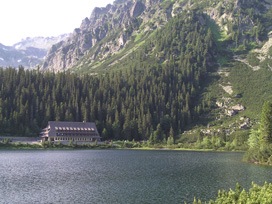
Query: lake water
[[121, 176]]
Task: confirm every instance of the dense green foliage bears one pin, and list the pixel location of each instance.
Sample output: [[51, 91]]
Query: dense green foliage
[[256, 194], [221, 142]]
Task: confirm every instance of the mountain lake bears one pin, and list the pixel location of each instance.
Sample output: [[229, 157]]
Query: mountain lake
[[122, 176]]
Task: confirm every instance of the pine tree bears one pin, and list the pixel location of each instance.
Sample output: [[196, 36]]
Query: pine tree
[[266, 124], [158, 134], [104, 134], [170, 139]]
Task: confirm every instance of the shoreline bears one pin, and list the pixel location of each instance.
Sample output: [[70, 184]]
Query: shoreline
[[32, 143], [180, 149], [258, 163], [38, 146]]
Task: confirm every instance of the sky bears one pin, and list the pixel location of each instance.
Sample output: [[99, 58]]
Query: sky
[[31, 18]]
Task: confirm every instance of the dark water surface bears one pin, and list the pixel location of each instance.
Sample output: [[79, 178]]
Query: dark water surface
[[121, 176]]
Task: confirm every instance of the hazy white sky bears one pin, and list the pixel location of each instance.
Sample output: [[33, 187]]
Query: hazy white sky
[[29, 18]]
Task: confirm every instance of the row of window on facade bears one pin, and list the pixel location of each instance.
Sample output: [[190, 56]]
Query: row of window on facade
[[69, 134], [73, 139], [74, 129]]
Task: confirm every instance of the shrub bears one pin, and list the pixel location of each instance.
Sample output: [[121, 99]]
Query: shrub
[[206, 143], [253, 60], [70, 143], [6, 141], [257, 195]]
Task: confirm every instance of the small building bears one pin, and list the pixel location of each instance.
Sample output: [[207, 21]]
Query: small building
[[70, 131]]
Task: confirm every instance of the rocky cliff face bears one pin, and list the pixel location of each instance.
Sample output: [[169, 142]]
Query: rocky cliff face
[[106, 32]]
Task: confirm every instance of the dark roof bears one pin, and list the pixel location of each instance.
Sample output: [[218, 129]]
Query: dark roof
[[78, 125]]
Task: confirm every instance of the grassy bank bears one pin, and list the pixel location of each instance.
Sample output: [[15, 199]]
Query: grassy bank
[[19, 146], [55, 146]]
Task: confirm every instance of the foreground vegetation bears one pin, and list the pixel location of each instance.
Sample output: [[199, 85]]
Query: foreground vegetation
[[255, 195]]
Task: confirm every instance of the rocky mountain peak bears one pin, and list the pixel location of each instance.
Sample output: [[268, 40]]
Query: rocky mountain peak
[[85, 24], [137, 9], [97, 12]]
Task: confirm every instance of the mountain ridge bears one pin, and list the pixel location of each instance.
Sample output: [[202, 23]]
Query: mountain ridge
[[122, 27], [28, 52]]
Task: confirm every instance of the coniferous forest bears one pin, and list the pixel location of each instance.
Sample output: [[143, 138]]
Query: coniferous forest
[[127, 104], [130, 103]]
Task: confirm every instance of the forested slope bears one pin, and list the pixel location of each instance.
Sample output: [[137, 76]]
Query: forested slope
[[127, 104]]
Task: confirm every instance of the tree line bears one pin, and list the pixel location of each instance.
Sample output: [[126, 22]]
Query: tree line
[[128, 104]]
